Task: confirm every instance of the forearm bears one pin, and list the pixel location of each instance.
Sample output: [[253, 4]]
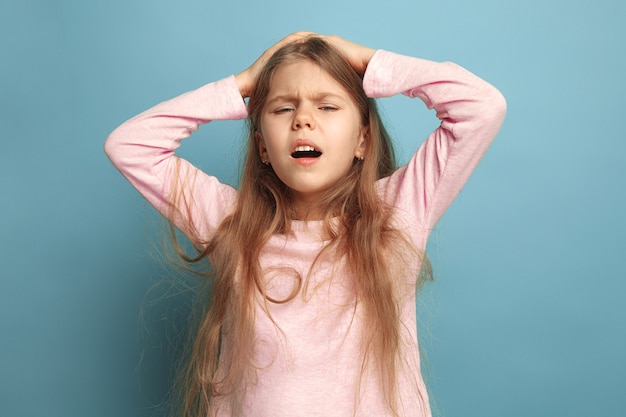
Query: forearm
[[142, 148], [463, 101]]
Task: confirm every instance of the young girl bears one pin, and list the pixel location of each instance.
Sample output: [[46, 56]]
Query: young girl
[[316, 258]]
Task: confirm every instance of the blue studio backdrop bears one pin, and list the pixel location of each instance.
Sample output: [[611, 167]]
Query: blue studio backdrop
[[525, 317]]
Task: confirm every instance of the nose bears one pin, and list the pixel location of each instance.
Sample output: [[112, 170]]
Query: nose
[[303, 119]]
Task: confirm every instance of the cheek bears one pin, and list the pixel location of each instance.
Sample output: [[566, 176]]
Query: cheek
[[270, 129]]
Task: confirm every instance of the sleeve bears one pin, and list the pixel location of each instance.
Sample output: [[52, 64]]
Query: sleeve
[[142, 149], [471, 113]]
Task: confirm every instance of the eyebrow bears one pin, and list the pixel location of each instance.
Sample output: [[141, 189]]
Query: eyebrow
[[317, 97]]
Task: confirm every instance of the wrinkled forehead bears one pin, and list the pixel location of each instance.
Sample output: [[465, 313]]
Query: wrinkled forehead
[[300, 76]]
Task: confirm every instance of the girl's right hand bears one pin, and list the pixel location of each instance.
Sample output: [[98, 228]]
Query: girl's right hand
[[246, 78]]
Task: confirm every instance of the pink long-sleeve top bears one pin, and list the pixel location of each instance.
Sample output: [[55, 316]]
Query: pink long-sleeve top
[[307, 352]]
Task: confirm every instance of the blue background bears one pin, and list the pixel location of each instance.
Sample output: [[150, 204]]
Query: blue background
[[526, 317]]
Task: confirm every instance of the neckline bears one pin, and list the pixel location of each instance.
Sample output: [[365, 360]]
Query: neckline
[[312, 229]]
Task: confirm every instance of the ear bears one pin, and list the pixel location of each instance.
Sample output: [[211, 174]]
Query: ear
[[260, 142], [359, 149]]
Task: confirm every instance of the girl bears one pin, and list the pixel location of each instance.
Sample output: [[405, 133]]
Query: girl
[[316, 258]]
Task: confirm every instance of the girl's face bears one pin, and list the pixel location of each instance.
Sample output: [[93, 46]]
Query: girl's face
[[310, 130]]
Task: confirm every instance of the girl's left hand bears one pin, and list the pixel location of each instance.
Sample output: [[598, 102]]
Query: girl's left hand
[[357, 55]]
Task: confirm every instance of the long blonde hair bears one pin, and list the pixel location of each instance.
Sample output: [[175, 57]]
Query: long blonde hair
[[364, 237]]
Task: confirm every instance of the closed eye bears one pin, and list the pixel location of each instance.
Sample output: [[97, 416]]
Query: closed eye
[[283, 110]]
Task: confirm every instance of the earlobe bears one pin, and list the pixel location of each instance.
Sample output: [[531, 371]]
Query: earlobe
[[359, 151], [260, 142]]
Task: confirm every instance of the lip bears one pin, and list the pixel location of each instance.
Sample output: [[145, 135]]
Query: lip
[[305, 161], [304, 142]]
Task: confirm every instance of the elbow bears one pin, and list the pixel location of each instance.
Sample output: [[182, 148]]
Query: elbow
[[500, 105], [495, 107], [109, 147], [113, 147]]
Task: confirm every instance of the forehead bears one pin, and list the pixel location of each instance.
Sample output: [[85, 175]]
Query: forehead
[[302, 77]]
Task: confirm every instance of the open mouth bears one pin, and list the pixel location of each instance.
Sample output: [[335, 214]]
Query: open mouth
[[305, 152]]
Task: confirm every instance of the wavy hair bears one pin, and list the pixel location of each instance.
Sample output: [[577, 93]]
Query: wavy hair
[[360, 232]]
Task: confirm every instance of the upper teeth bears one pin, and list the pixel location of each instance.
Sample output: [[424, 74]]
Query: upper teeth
[[304, 149]]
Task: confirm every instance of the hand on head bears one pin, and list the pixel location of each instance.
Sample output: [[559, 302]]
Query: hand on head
[[357, 55]]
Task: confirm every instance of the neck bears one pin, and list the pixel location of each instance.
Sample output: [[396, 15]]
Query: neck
[[308, 213], [307, 208]]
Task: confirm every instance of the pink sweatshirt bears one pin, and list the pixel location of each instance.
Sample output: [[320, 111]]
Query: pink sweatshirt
[[308, 360]]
